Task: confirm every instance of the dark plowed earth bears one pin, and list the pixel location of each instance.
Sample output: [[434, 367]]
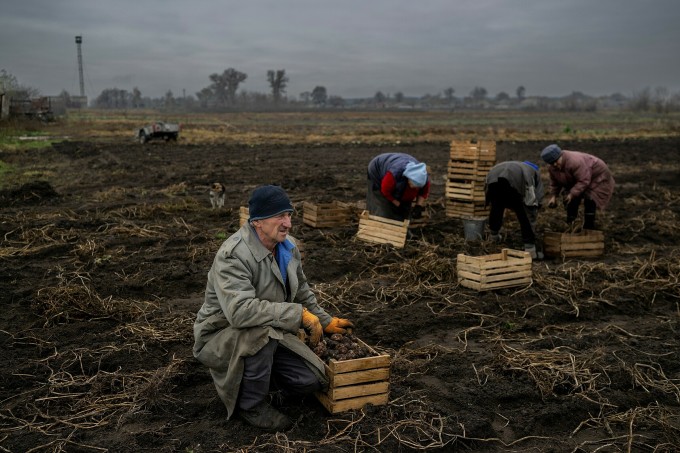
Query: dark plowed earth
[[104, 256]]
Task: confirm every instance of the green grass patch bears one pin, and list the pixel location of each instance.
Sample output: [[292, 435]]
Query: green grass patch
[[5, 168], [17, 139]]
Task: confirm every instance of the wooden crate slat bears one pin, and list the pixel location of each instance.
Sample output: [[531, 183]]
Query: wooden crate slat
[[491, 278], [359, 377], [344, 366], [489, 286], [381, 240], [466, 185], [514, 276], [583, 246], [458, 214], [497, 267], [464, 194], [501, 270], [354, 391], [459, 177], [583, 253], [469, 166], [335, 407], [478, 193], [383, 220], [464, 173], [585, 236]]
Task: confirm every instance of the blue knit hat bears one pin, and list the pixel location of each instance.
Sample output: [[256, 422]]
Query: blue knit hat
[[268, 201], [551, 153], [417, 173]]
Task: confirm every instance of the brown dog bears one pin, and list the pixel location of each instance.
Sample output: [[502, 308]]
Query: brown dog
[[217, 191]]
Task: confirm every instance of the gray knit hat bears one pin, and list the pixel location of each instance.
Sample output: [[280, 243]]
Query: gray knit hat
[[268, 201], [551, 153]]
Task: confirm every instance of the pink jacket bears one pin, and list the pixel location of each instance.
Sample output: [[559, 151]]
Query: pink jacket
[[583, 174]]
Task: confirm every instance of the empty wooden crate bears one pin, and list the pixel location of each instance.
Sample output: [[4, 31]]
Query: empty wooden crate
[[587, 243], [356, 382], [464, 208], [381, 230], [322, 215], [501, 270], [484, 150]]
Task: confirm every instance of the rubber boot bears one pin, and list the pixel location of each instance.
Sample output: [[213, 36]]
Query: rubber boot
[[495, 236], [535, 254], [265, 417]]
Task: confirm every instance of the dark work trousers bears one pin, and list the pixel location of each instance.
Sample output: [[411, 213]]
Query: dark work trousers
[[501, 196], [377, 204], [274, 363], [589, 208]]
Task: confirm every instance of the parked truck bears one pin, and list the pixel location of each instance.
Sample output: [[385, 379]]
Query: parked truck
[[158, 130]]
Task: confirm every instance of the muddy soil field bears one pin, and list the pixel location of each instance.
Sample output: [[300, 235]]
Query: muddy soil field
[[105, 248]]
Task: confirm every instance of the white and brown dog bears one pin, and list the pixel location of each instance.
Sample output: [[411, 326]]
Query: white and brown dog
[[217, 191]]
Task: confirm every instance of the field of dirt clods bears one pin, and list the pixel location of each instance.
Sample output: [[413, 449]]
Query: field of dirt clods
[[105, 249]]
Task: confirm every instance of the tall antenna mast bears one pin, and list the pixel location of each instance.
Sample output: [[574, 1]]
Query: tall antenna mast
[[79, 41]]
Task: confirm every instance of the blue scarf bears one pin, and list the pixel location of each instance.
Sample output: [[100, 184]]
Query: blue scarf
[[531, 164], [284, 253]]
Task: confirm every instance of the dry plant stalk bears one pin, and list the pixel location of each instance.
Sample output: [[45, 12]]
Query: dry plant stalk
[[621, 428], [73, 299], [175, 327], [556, 368]]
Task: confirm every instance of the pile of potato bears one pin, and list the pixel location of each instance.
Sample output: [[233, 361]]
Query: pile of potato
[[341, 347]]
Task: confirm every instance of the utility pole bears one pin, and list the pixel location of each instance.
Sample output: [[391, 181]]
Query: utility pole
[[79, 41]]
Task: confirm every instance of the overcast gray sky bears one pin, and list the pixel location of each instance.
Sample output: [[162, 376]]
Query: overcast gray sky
[[352, 47]]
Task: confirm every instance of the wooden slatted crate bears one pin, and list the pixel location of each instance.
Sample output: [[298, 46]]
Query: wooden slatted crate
[[482, 150], [465, 208], [586, 244], [356, 382], [501, 270], [380, 230], [465, 170], [465, 190], [324, 215], [244, 214]]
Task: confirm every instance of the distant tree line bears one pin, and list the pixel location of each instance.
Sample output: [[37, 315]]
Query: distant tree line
[[223, 93]]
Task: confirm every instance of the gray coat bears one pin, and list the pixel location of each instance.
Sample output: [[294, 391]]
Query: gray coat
[[522, 177], [245, 305]]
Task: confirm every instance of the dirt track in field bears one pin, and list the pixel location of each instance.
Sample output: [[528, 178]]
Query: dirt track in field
[[104, 258]]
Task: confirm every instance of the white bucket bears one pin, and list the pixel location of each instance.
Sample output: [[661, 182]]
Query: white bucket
[[474, 228]]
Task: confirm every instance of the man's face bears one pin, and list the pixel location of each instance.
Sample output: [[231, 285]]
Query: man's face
[[558, 163], [273, 230]]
